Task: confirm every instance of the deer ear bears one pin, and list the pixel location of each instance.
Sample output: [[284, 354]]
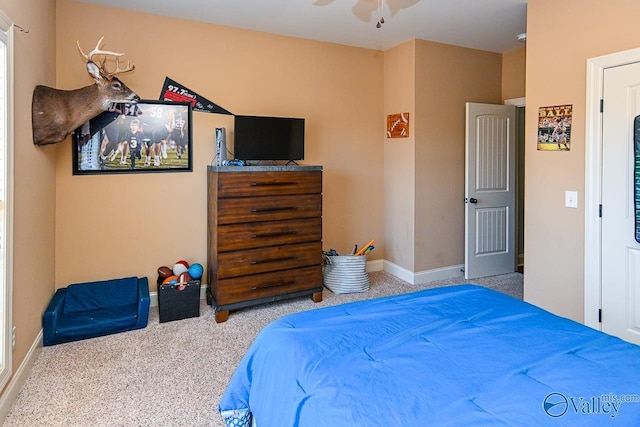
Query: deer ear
[[94, 71]]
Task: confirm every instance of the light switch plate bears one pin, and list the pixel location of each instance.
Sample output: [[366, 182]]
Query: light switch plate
[[571, 199]]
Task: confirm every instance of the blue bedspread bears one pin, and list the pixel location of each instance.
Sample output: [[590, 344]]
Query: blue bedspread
[[456, 356]]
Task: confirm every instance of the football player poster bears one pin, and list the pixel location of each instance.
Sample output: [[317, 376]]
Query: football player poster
[[554, 128]]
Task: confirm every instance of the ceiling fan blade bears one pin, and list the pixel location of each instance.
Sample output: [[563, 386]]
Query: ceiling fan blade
[[364, 8], [396, 5]]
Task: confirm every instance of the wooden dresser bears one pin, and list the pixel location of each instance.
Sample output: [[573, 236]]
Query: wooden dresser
[[264, 239]]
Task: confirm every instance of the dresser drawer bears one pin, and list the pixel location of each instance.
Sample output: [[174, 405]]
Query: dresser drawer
[[245, 288], [254, 261], [242, 184], [255, 209], [262, 234]]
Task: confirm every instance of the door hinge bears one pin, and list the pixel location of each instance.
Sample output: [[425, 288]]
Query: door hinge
[[599, 315], [602, 105], [600, 211]]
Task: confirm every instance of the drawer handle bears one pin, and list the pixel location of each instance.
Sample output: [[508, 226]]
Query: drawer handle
[[272, 285], [284, 208], [266, 261], [274, 234], [271, 184]]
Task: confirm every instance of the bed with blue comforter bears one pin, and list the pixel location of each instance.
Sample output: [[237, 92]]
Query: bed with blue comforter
[[454, 356]]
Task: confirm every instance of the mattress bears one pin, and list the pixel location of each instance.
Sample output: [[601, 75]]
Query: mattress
[[461, 355]]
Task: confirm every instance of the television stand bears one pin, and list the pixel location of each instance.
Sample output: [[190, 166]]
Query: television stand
[[291, 161]]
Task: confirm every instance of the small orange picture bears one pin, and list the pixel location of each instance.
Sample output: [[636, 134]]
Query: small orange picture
[[398, 125]]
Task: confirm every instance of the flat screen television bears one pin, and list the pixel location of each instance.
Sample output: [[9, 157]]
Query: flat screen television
[[268, 138]]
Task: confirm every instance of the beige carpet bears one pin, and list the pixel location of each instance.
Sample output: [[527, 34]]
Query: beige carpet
[[169, 374]]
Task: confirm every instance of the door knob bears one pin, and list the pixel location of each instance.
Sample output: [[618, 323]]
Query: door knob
[[472, 200]]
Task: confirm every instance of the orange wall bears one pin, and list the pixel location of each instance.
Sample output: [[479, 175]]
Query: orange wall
[[556, 74], [514, 74], [34, 174], [255, 73], [424, 173], [399, 155], [110, 226], [446, 78]]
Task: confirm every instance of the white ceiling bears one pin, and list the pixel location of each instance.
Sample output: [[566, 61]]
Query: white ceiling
[[491, 25]]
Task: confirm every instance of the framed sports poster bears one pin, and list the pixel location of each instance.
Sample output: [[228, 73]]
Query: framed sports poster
[[150, 136], [554, 128], [398, 125]]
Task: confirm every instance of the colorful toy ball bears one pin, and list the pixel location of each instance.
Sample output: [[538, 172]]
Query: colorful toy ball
[[196, 270], [171, 280], [185, 263], [179, 268], [164, 272], [184, 277]]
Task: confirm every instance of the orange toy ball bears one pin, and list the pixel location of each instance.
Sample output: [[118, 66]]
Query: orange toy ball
[[170, 279], [164, 272]]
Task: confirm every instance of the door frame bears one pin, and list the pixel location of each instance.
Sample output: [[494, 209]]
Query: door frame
[[593, 181], [520, 144]]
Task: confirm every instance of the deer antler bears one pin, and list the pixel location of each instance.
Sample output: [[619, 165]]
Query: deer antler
[[97, 51], [130, 67], [118, 70]]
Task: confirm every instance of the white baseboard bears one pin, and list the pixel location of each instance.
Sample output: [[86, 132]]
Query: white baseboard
[[439, 273], [423, 276], [17, 381], [375, 265]]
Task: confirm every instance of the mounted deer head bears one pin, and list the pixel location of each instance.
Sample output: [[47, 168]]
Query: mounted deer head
[[57, 113]]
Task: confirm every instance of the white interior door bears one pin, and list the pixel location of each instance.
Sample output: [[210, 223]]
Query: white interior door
[[490, 190], [620, 256]]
